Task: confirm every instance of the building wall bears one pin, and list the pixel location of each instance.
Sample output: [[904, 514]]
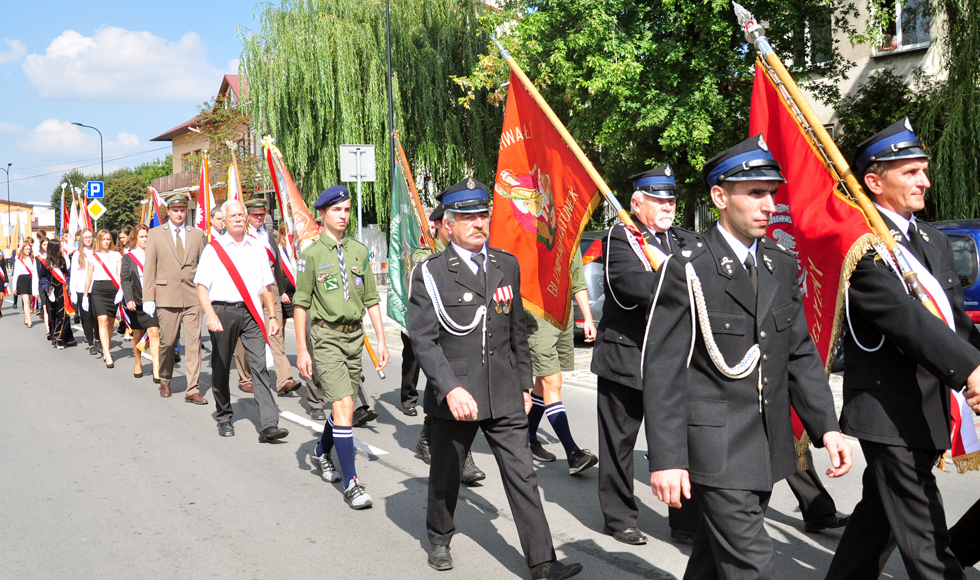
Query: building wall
[[21, 217], [188, 143]]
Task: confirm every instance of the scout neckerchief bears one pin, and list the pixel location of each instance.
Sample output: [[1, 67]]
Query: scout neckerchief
[[248, 299], [66, 295]]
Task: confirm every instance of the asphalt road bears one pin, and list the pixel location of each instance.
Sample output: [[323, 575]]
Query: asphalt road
[[102, 478]]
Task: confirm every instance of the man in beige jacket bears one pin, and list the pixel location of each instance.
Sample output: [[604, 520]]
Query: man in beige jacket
[[172, 252]]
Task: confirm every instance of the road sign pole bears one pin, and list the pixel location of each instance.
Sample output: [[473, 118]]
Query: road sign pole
[[360, 221]]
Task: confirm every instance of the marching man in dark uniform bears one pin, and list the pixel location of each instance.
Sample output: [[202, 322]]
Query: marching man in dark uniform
[[899, 364], [721, 432], [466, 321], [616, 357]]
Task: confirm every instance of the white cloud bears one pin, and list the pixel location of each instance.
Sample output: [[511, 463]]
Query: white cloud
[[120, 64], [14, 52], [232, 67], [9, 128], [61, 137]]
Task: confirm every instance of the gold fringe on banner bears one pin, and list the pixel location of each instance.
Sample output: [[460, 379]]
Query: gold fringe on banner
[[802, 444], [859, 248], [968, 462]]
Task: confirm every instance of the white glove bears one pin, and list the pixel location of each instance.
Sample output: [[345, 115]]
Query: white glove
[[85, 303], [119, 296], [149, 307]]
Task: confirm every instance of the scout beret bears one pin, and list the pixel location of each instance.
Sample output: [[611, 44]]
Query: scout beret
[[331, 196], [437, 213]]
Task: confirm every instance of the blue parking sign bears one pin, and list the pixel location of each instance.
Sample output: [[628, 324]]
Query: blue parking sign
[[95, 190]]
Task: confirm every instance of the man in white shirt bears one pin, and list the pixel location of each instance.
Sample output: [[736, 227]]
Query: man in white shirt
[[230, 317]]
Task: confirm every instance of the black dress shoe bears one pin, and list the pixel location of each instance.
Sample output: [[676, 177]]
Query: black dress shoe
[[226, 430], [272, 434], [318, 415], [834, 520], [682, 535], [363, 415], [554, 571], [410, 411], [176, 358], [471, 473], [422, 448], [440, 559], [632, 536]]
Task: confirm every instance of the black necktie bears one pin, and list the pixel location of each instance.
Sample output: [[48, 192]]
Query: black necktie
[[752, 271], [664, 244], [478, 260], [915, 239]]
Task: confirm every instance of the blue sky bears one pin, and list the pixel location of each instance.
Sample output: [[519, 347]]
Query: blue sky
[[132, 69]]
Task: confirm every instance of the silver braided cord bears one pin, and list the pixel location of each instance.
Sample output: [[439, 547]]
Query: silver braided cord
[[451, 326], [745, 367], [609, 286], [653, 306]]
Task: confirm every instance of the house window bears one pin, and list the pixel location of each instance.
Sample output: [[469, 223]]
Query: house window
[[910, 27], [820, 39]]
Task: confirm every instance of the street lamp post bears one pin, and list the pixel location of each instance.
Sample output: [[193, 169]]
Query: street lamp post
[[7, 170], [101, 150]]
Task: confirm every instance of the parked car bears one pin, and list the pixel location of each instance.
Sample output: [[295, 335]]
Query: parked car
[[964, 237], [595, 277]]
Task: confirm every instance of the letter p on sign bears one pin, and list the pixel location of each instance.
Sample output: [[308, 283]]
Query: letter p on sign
[[95, 190]]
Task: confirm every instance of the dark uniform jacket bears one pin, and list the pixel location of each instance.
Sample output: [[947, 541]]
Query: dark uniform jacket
[[129, 282], [619, 337], [899, 394], [450, 361], [713, 428]]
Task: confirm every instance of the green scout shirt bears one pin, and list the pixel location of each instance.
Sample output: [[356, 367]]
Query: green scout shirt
[[424, 252], [320, 286]]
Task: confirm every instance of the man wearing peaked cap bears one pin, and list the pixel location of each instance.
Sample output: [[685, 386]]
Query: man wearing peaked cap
[[335, 285], [616, 357], [718, 419], [466, 322], [900, 362]]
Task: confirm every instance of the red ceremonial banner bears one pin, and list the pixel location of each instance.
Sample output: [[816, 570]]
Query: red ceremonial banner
[[813, 219], [542, 200]]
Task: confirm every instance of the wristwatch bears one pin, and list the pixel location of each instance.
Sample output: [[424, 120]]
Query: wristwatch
[[274, 318]]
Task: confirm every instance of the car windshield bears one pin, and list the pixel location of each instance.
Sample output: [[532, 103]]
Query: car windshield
[[965, 258]]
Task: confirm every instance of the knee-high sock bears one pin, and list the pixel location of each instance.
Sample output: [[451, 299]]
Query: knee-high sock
[[534, 417], [326, 440], [343, 438], [559, 422]]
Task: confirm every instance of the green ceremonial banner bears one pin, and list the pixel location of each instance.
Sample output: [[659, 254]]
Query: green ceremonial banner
[[405, 239]]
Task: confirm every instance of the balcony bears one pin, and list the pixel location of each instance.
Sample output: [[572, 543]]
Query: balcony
[[184, 181]]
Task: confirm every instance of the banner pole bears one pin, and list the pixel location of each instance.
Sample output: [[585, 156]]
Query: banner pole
[[413, 192], [756, 35], [574, 147]]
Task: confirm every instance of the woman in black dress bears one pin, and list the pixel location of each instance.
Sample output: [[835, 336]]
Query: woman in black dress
[[54, 281], [103, 274], [132, 285], [41, 267]]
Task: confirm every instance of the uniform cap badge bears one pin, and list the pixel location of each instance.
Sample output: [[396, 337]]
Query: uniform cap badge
[[762, 144], [470, 184]]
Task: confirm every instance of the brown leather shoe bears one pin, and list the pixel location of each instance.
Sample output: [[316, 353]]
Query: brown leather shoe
[[290, 387], [196, 399], [246, 387], [164, 389]]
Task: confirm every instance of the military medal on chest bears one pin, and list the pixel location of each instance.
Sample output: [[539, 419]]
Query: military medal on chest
[[503, 296]]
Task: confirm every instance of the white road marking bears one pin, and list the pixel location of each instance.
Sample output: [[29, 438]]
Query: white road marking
[[317, 428]]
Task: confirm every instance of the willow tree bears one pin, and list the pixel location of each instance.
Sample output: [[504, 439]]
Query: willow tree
[[316, 74]]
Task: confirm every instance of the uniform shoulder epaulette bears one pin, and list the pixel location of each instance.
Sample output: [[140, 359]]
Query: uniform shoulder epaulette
[[687, 231], [498, 250], [770, 244]]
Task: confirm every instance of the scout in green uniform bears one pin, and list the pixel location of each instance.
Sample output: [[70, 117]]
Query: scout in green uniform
[[440, 234], [336, 286], [553, 351]]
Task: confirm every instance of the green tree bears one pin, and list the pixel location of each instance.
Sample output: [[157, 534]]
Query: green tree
[[643, 83], [316, 77], [883, 99]]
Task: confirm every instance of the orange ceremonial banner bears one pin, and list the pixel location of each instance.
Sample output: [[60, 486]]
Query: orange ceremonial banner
[[542, 200]]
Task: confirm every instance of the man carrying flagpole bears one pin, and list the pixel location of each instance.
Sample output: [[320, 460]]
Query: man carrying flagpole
[[232, 272]]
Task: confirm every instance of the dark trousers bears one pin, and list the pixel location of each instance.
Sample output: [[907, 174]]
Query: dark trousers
[[964, 539], [815, 501], [620, 412], [507, 437], [410, 374], [731, 542], [88, 320], [237, 323], [900, 507]]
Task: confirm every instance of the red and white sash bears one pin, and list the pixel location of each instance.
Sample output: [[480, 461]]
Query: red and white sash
[[288, 268], [66, 294], [122, 311], [251, 302]]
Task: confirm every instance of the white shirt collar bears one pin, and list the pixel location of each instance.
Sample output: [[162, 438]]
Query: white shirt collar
[[467, 256], [226, 241], [900, 221], [737, 246]]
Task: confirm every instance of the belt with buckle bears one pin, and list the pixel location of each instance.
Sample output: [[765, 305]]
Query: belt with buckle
[[346, 328], [230, 304]]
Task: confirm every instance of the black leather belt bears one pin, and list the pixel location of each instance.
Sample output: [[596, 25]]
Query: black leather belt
[[346, 328], [229, 304]]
